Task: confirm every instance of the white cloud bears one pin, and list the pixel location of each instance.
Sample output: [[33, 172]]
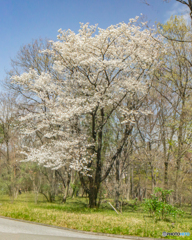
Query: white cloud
[[178, 9]]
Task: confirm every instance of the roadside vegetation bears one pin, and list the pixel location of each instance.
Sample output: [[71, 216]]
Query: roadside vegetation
[[75, 214]]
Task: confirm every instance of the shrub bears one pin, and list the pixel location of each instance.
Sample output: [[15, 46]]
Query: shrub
[[158, 207]]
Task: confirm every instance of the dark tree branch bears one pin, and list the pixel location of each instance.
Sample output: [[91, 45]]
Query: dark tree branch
[[119, 150]]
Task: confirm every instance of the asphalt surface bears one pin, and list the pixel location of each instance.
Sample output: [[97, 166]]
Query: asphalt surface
[[16, 230]]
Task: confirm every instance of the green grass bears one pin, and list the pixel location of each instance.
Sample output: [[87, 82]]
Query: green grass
[[76, 215]]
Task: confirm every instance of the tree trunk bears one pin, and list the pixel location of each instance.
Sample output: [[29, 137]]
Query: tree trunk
[[145, 190], [53, 186], [36, 197], [67, 188], [180, 150], [166, 175], [128, 182], [132, 183], [95, 183], [35, 189], [152, 180], [117, 185], [93, 197]]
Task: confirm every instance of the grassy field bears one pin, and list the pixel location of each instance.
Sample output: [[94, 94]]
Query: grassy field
[[76, 215]]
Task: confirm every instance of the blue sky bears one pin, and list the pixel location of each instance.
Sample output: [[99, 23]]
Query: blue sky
[[24, 20]]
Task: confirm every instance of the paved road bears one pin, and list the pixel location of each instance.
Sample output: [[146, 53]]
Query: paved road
[[16, 230]]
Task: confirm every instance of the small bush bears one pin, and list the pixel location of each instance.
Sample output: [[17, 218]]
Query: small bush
[[159, 208]]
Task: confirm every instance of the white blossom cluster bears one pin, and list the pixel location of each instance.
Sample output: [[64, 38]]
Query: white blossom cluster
[[93, 70]]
